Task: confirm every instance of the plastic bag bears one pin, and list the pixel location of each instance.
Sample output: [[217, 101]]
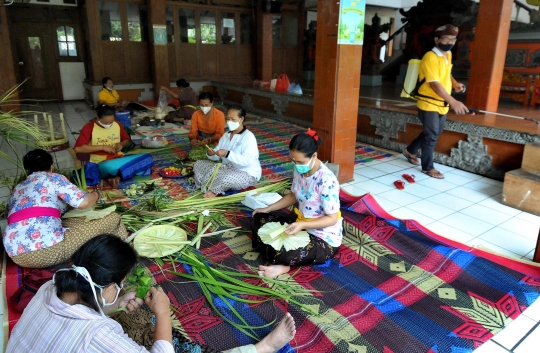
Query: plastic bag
[[282, 83], [162, 105], [295, 88], [273, 85], [255, 200]]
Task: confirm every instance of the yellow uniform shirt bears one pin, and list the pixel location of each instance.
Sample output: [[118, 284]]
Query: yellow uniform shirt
[[110, 137], [108, 97], [435, 66]]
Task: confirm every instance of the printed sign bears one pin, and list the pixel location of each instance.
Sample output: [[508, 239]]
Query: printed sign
[[160, 35], [351, 22]]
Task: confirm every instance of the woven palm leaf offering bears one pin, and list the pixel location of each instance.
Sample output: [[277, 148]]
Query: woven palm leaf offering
[[273, 234], [160, 241]]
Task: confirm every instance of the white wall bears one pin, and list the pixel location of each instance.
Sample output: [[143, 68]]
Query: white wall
[[72, 75], [52, 2]]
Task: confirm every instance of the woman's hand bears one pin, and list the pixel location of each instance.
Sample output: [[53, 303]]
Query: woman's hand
[[130, 301], [210, 152], [158, 301], [206, 141], [195, 142], [221, 153], [261, 210], [109, 149], [294, 228], [118, 147]]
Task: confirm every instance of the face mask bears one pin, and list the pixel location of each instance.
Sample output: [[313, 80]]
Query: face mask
[[445, 47], [104, 125], [303, 168], [233, 125], [101, 288], [205, 110], [108, 88]]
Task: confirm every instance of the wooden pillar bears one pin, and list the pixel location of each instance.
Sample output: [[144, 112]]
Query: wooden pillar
[[8, 79], [337, 90], [159, 57], [264, 45], [488, 57], [94, 54]]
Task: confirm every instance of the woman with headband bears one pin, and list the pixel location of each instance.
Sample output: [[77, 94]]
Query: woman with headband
[[69, 313], [316, 190]]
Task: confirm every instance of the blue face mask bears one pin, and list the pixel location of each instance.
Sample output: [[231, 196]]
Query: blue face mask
[[303, 168]]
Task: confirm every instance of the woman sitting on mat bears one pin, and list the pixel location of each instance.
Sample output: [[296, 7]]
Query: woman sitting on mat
[[105, 141], [207, 124], [69, 313], [36, 236], [316, 190], [187, 99], [239, 155], [110, 96]]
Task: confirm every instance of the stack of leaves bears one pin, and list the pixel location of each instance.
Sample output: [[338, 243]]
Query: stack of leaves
[[160, 241], [273, 234], [89, 213]]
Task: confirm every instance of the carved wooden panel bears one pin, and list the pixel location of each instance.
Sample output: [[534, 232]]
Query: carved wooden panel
[[227, 60], [114, 59]]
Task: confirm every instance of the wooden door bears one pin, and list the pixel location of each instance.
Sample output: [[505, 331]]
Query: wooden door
[[36, 61]]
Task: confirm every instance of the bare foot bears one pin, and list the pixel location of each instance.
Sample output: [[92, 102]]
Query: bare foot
[[279, 337], [209, 194], [273, 271]]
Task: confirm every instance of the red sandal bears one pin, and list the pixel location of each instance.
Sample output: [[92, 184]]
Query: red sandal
[[399, 184], [409, 178]]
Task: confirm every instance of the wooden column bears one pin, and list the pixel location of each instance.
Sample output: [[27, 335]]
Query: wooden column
[[8, 79], [490, 43], [159, 57], [337, 90], [264, 45], [94, 54]]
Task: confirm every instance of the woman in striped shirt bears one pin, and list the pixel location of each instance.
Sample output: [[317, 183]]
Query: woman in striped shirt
[[69, 313]]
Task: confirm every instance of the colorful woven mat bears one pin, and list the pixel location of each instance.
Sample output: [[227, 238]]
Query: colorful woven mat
[[394, 286]]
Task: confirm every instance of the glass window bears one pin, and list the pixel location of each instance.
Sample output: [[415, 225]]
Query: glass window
[[111, 24], [208, 27], [291, 31], [66, 41], [137, 23], [277, 26], [169, 20], [186, 20], [246, 28], [227, 28]]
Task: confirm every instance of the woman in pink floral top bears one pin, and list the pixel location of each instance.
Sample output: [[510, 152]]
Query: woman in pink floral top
[[36, 236], [316, 190]]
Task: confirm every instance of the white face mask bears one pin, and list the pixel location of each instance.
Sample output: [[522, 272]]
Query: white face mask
[[205, 110], [109, 88], [233, 125], [104, 125]]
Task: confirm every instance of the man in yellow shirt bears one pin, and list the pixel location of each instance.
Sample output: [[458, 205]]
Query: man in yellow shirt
[[434, 99], [108, 95]]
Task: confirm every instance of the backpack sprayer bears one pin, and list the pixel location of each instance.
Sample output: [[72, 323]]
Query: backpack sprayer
[[411, 86]]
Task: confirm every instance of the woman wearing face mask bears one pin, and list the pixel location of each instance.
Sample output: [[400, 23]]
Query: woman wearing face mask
[[36, 236], [316, 190], [104, 140], [207, 124], [108, 95], [239, 154], [69, 313]]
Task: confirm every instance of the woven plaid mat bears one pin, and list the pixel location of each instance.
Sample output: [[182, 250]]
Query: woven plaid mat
[[394, 286]]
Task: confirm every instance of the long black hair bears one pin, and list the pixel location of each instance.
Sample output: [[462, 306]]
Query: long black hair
[[306, 143], [206, 95], [107, 258], [182, 83], [104, 81], [37, 161], [104, 110]]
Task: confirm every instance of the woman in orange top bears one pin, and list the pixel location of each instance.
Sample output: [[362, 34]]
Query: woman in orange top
[[207, 124]]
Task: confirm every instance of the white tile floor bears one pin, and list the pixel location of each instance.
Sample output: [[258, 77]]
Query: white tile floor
[[464, 207]]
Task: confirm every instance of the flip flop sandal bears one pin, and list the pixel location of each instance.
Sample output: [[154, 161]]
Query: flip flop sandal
[[434, 174], [411, 159], [399, 184], [409, 178]]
